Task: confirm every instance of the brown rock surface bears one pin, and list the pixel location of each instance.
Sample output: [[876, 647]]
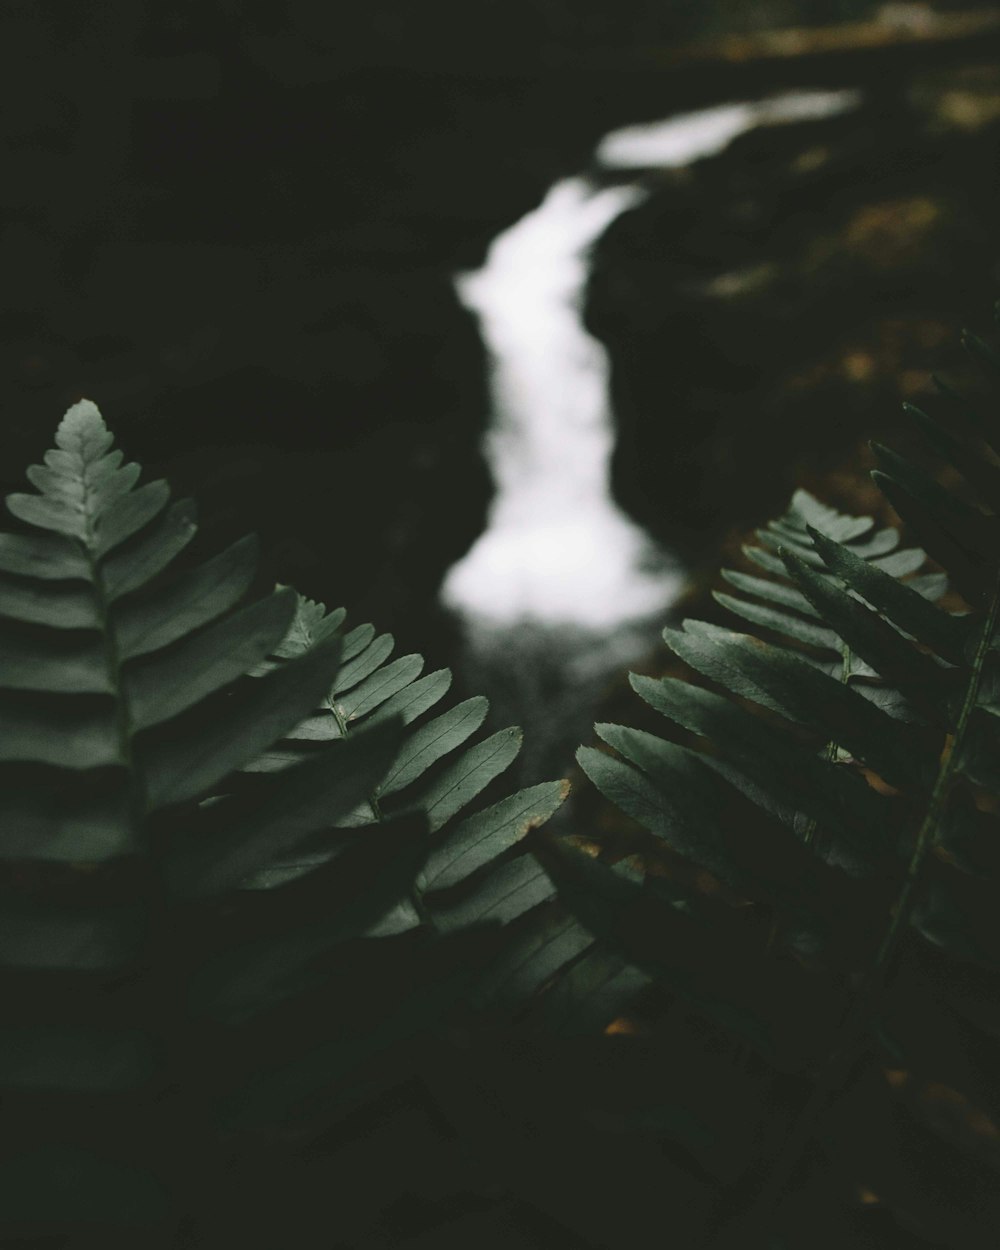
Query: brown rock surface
[[767, 309]]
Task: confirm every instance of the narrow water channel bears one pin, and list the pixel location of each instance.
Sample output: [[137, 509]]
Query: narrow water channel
[[562, 588]]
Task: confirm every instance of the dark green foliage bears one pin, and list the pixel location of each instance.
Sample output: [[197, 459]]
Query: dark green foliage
[[243, 890], [237, 868], [836, 776]]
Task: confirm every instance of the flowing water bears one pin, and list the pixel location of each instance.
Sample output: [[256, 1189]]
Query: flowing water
[[562, 589]]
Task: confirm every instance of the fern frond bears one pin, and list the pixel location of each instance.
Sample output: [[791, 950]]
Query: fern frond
[[473, 870], [476, 872], [191, 775], [841, 783]]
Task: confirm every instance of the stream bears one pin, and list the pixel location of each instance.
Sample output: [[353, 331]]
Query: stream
[[563, 589]]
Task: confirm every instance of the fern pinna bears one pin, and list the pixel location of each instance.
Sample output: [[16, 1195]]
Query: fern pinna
[[206, 950], [836, 777]]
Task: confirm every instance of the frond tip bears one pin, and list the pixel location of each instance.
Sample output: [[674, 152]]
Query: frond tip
[[84, 490], [83, 431]]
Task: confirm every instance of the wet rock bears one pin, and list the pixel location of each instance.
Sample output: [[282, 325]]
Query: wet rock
[[769, 307]]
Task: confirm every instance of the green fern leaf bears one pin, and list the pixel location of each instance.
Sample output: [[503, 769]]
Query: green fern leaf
[[231, 796], [147, 658], [868, 735]]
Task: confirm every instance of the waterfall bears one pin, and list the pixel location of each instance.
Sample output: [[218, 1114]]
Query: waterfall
[[556, 548], [559, 561]]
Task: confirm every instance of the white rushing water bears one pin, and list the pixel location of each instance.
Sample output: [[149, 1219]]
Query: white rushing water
[[557, 549]]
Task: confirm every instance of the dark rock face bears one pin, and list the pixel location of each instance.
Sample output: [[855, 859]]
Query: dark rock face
[[770, 306]]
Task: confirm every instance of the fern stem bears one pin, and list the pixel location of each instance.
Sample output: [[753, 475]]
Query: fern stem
[[831, 748], [744, 1051], [850, 1033], [413, 894], [338, 716], [113, 665], [928, 833]]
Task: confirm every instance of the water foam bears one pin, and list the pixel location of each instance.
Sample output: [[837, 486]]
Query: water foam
[[557, 549]]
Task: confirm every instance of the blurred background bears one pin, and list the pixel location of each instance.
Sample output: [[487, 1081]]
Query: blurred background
[[237, 226]]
